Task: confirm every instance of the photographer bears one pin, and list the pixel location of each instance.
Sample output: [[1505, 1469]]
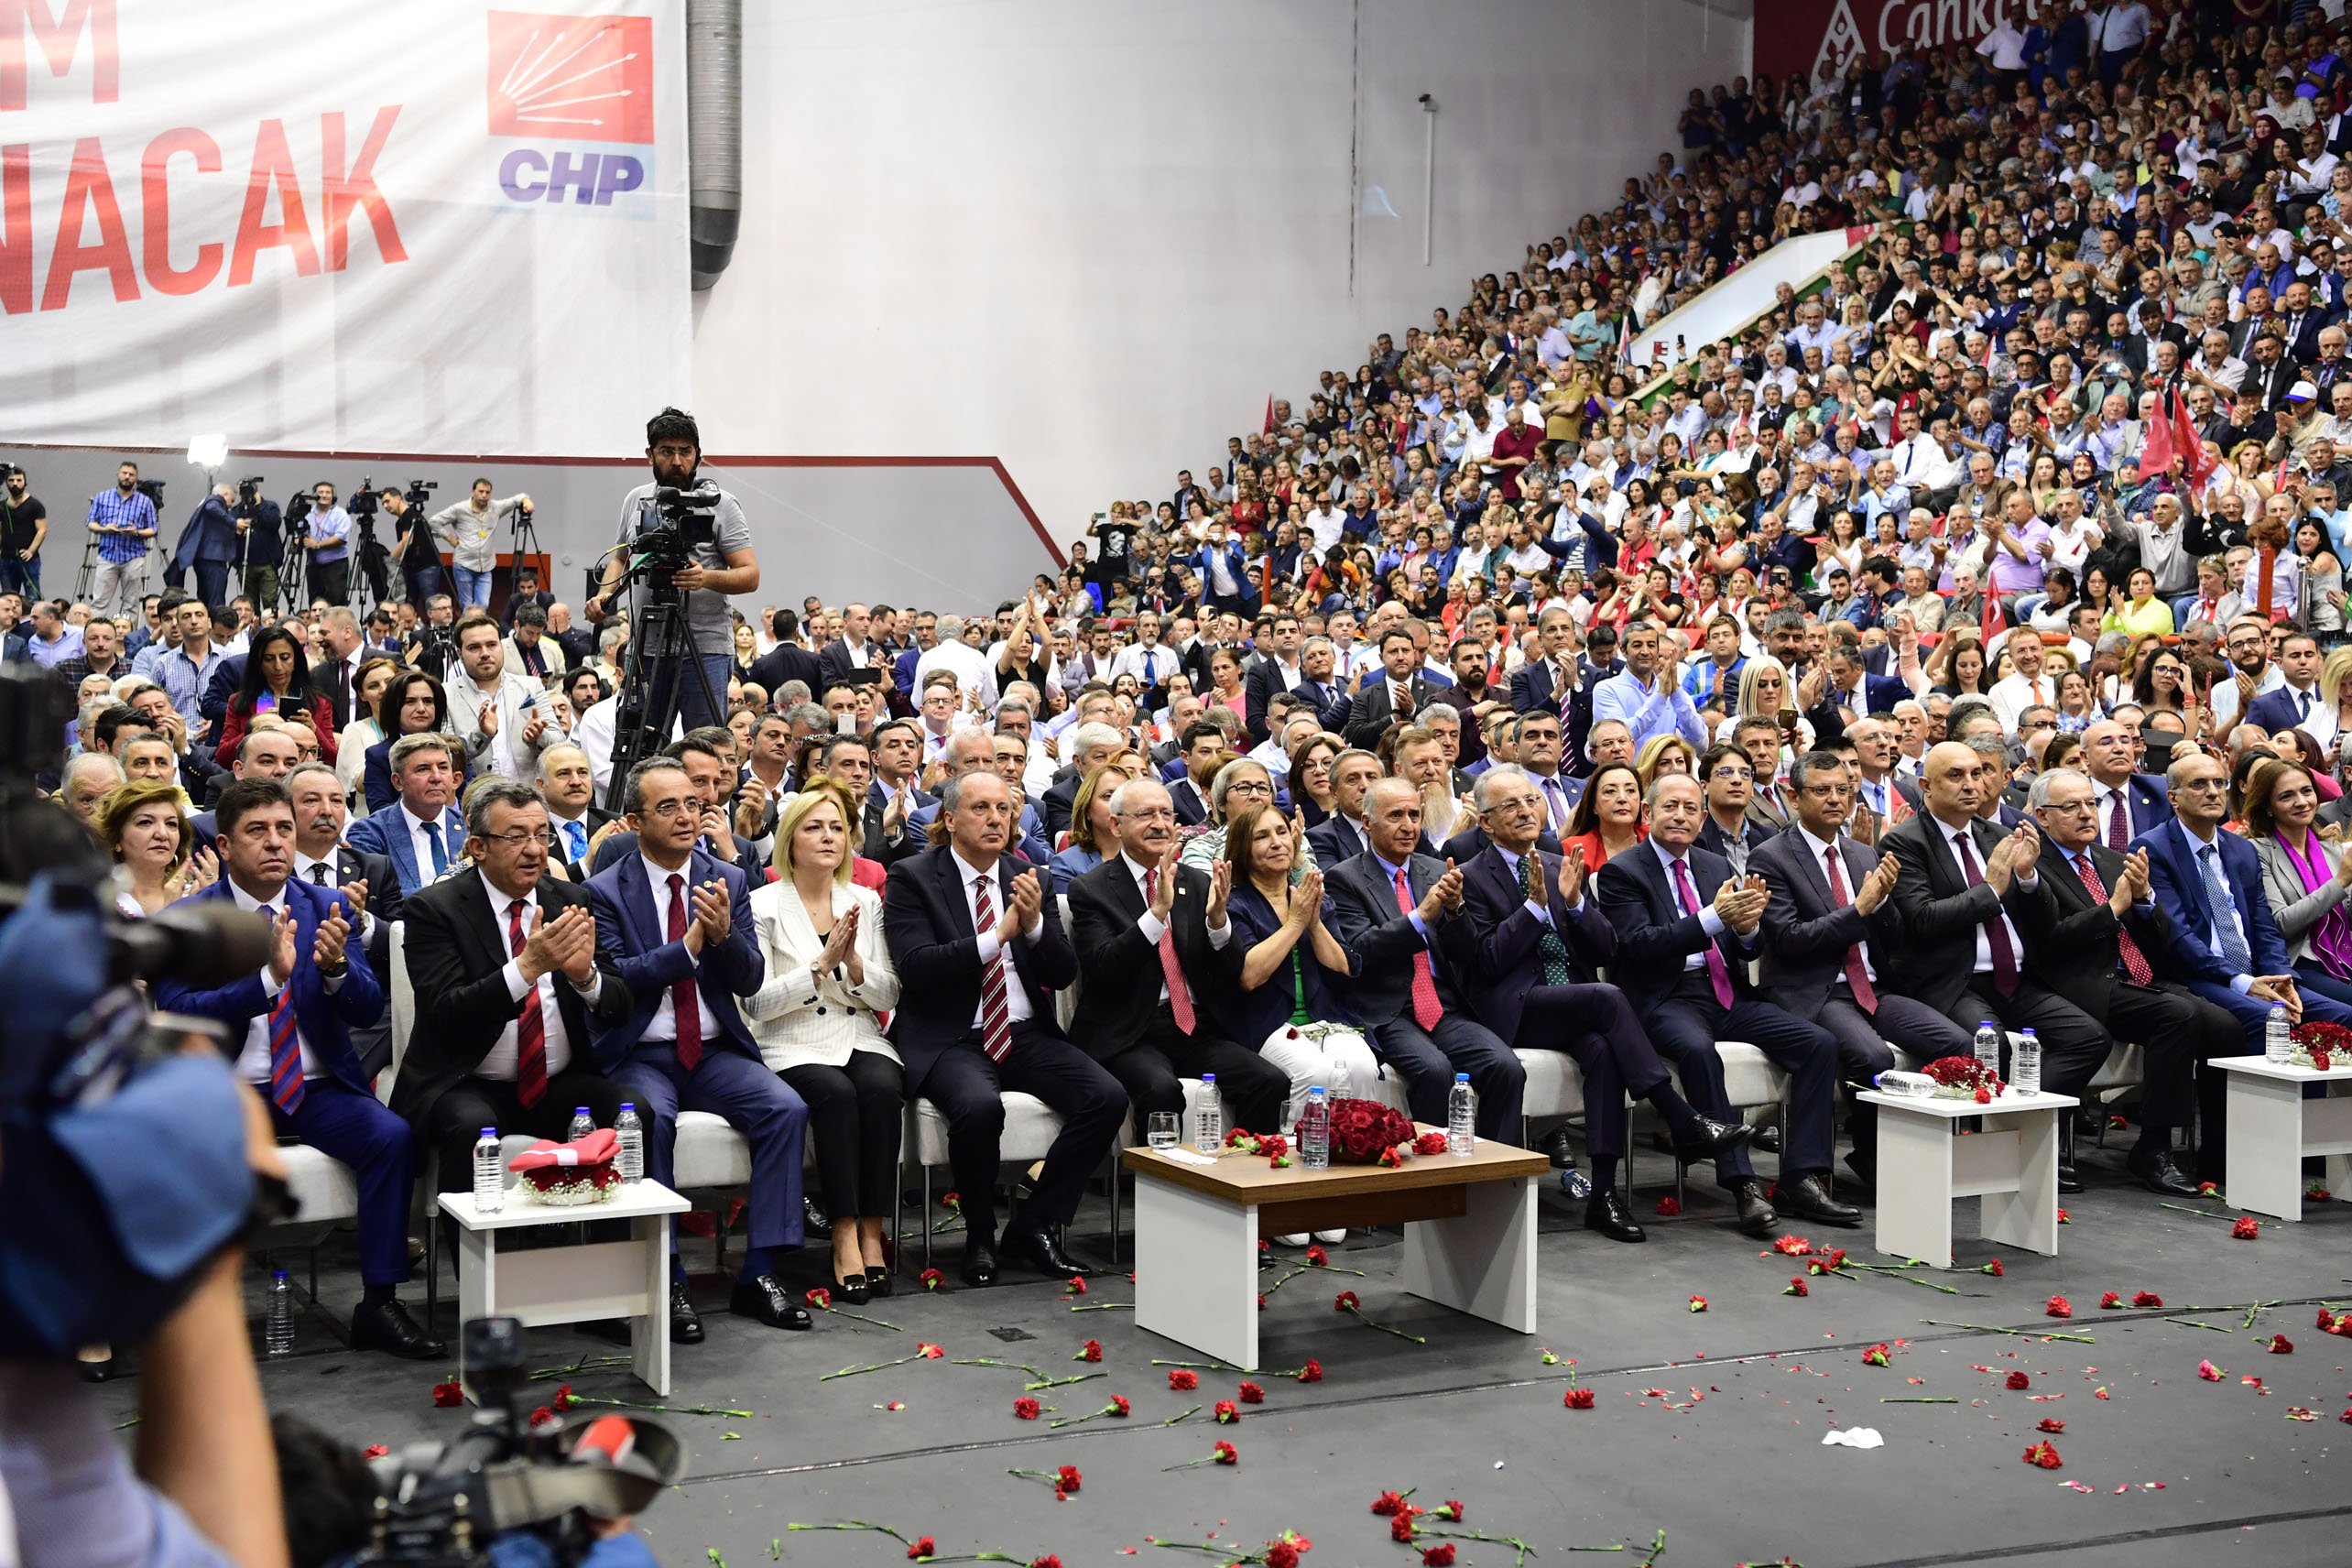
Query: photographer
[[471, 528], [259, 525], [326, 534], [24, 524], [720, 565], [207, 543], [415, 546]]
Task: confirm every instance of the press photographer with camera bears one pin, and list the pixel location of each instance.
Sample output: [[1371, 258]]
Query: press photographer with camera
[[471, 528], [415, 548], [719, 562], [264, 543], [24, 525], [326, 534]]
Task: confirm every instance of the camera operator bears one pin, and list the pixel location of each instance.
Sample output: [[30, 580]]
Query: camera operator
[[124, 520], [259, 525], [413, 548], [208, 542], [471, 528], [326, 534], [24, 524], [722, 565]]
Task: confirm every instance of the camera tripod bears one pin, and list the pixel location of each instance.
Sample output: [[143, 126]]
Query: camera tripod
[[522, 548], [652, 689]]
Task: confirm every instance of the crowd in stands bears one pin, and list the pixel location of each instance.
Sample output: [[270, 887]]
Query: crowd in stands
[[1962, 640]]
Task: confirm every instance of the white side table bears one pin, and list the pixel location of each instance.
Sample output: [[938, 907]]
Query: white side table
[[574, 1284], [2011, 1164], [2272, 1128]]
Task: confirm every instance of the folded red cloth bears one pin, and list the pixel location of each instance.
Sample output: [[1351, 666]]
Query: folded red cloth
[[597, 1149]]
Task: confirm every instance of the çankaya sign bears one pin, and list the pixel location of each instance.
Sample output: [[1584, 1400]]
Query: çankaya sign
[[421, 226], [1814, 36]]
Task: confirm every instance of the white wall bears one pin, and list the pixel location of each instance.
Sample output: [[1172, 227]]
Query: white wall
[[1090, 239]]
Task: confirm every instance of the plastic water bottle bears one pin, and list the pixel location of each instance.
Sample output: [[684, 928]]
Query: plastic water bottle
[[1461, 1117], [2277, 1044], [630, 1161], [1341, 1081], [489, 1175], [1314, 1131], [583, 1124], [1910, 1085], [277, 1317], [1208, 1121], [1989, 1047], [2026, 1077]]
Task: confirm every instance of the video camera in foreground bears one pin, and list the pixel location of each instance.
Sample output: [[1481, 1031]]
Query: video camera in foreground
[[688, 521]]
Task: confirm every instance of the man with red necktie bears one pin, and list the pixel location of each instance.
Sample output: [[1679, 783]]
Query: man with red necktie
[[505, 968], [673, 921], [290, 1025]]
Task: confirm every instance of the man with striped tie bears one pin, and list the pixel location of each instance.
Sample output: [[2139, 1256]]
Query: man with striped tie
[[291, 1024], [980, 951]]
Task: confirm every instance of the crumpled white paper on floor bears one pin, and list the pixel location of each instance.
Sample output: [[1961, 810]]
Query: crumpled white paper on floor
[[1855, 1437]]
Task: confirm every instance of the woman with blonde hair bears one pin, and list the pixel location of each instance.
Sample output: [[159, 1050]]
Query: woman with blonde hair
[[1664, 754], [150, 839], [1093, 826], [829, 973]]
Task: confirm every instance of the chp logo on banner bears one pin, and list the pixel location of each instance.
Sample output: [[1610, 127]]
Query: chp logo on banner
[[1817, 37], [571, 79], [211, 221]]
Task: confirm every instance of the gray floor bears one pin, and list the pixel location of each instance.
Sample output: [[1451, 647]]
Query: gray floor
[[1739, 1475]]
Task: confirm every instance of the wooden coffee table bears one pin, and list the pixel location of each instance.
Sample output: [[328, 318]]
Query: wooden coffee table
[[1469, 1235]]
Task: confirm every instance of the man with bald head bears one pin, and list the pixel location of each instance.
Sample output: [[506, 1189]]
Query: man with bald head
[[1971, 896], [272, 753]]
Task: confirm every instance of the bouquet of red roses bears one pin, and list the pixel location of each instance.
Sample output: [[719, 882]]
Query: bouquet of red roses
[[2320, 1045], [1363, 1131], [1964, 1078]]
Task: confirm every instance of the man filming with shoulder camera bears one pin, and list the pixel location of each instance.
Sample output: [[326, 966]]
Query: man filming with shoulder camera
[[723, 563]]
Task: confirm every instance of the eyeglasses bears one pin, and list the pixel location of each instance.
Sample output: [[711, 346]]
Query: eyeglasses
[[667, 809], [520, 837], [1151, 814], [1251, 787]]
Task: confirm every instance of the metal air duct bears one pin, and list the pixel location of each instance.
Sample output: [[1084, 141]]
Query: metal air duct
[[713, 132]]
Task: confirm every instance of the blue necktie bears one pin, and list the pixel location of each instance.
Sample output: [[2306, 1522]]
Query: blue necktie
[[2233, 946], [576, 834], [441, 852]]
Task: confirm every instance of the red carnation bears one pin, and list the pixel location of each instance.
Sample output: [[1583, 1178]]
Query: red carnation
[[1311, 1372], [2048, 1425], [2346, 1418], [1668, 1207], [2110, 1302], [1282, 1554], [544, 1416], [1878, 1355], [1048, 1561], [1698, 1303], [1994, 1268], [2058, 1307], [1077, 1286], [374, 1451], [1797, 1287], [1345, 1301], [951, 1200], [2247, 1228], [1091, 1351], [1401, 1528], [1226, 1413], [930, 1351], [1438, 1556], [563, 1399], [2146, 1299], [1793, 1246], [1317, 1258], [820, 1298], [1119, 1405], [449, 1394], [924, 1546], [1226, 1453], [2326, 1322], [1579, 1400], [931, 1278], [1431, 1143], [1067, 1478], [1026, 1408], [1390, 1158], [1389, 1503], [2207, 1189], [2042, 1455], [1184, 1380], [2208, 1371], [1251, 1394], [1983, 1095], [2020, 1380], [2279, 1345]]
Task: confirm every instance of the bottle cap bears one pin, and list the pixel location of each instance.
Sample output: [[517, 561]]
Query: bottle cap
[[1462, 1077], [489, 1132], [1208, 1077], [628, 1105]]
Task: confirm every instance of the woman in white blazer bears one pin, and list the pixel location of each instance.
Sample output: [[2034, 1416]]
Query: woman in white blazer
[[828, 975]]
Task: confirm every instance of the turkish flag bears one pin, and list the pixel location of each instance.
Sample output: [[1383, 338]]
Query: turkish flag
[[2156, 452], [2186, 441]]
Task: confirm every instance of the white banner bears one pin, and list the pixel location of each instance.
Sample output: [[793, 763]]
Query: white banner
[[437, 225]]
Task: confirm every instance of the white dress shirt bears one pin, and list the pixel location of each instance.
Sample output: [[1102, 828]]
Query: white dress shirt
[[1017, 1002], [420, 842], [502, 1061], [1821, 853], [1710, 918], [1152, 926], [1984, 960], [252, 1058], [665, 1015]]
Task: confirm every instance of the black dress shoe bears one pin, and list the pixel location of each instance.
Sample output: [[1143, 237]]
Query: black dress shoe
[[1809, 1198], [877, 1282], [1559, 1151], [2159, 1172], [685, 1322], [1607, 1213], [1708, 1138], [2069, 1180], [387, 1326], [814, 1216], [762, 1298], [1755, 1216], [979, 1259], [1038, 1246], [1767, 1138]]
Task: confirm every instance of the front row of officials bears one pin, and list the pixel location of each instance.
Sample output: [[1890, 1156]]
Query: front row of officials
[[537, 994]]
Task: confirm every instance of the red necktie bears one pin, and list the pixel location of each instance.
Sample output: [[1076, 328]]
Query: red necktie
[[1179, 999], [684, 998], [995, 1012], [530, 1024], [1855, 975], [2119, 833], [1997, 936], [1426, 1008], [2135, 962], [286, 1090], [1718, 971]]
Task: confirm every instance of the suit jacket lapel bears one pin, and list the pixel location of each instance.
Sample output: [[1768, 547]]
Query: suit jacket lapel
[[482, 915], [950, 876]]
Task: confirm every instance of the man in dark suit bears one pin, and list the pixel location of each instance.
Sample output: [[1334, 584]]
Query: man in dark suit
[[1341, 835], [1686, 928], [1318, 685], [1205, 753], [2291, 704], [1273, 675], [567, 787], [503, 964], [788, 660], [851, 650], [707, 755], [674, 922], [1539, 943], [1768, 800], [980, 952], [1971, 898], [1156, 953], [337, 675], [1831, 932], [2128, 803], [1398, 913], [1732, 830], [2101, 953], [420, 832], [1550, 667], [262, 754], [291, 1025], [368, 881], [1396, 696], [2224, 941]]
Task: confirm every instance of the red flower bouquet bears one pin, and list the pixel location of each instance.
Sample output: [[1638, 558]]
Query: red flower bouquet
[[1960, 1078], [1363, 1131], [2318, 1045]]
